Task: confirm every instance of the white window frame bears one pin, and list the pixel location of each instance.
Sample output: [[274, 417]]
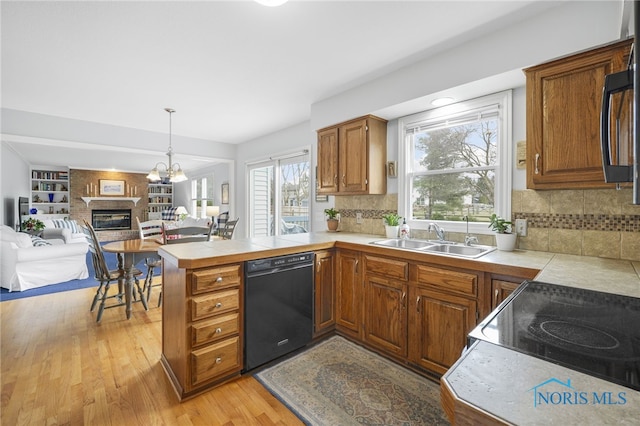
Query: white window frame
[[202, 197], [503, 170], [273, 161]]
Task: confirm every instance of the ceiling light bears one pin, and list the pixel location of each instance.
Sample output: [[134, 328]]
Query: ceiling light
[[271, 3], [442, 101], [174, 174]]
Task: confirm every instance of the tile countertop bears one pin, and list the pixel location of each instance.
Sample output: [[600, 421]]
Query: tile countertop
[[608, 275], [494, 379]]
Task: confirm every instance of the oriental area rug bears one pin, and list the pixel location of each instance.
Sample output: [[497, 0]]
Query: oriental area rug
[[339, 383]]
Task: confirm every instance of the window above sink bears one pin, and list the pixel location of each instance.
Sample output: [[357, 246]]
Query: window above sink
[[455, 161]]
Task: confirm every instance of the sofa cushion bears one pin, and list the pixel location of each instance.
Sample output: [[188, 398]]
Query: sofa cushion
[[8, 234], [39, 242], [23, 240], [67, 224]]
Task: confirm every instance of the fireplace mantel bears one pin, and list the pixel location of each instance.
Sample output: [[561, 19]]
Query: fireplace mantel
[[87, 200]]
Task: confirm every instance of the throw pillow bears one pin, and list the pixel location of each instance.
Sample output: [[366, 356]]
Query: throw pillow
[[39, 242], [68, 224], [169, 214]]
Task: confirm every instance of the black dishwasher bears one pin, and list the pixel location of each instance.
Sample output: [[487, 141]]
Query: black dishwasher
[[278, 307]]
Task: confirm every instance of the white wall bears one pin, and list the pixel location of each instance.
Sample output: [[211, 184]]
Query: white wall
[[15, 182], [559, 31]]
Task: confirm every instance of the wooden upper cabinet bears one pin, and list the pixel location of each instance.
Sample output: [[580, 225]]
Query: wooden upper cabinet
[[352, 157], [564, 99], [327, 178]]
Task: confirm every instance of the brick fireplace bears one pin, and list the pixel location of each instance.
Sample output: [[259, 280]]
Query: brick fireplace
[[80, 211]]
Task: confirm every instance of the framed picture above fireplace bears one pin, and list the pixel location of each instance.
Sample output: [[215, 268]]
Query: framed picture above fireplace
[[111, 187]]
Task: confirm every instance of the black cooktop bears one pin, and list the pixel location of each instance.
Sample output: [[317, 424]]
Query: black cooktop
[[589, 331]]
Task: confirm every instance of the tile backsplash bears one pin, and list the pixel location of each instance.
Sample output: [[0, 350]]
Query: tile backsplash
[[590, 222]]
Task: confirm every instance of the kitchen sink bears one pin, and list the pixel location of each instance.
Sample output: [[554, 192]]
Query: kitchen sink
[[448, 248], [460, 250], [405, 244]]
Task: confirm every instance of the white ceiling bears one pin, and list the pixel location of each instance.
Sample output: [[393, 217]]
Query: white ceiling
[[233, 70]]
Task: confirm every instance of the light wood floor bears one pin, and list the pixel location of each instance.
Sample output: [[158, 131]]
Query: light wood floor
[[60, 367]]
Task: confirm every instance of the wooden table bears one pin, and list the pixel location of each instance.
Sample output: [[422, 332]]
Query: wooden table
[[130, 253]]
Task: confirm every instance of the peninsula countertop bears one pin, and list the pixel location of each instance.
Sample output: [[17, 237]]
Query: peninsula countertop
[[608, 275]]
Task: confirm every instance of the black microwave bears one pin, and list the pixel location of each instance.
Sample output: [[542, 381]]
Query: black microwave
[[619, 118]]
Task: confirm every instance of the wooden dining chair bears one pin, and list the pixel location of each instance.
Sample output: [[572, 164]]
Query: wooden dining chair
[[229, 227], [105, 276], [187, 234], [151, 229]]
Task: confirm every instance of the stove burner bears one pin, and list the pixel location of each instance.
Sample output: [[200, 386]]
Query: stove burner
[[581, 335]]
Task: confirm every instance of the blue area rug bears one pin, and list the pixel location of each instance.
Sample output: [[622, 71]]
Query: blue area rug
[[110, 258]]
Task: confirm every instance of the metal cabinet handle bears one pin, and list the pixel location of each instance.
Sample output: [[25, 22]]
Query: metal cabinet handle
[[344, 180], [418, 304], [219, 279], [218, 305], [356, 266], [218, 360], [404, 297], [218, 330], [495, 297], [335, 180], [318, 267], [537, 171]]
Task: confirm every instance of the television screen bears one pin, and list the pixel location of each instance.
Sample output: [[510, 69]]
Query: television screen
[[23, 206]]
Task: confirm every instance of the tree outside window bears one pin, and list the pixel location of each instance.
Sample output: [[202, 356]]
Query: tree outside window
[[456, 162]]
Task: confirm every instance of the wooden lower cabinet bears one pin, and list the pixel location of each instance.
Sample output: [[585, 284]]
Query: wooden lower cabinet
[[418, 313], [500, 290], [502, 285], [325, 292], [438, 327], [202, 326], [443, 310], [349, 293], [385, 309]]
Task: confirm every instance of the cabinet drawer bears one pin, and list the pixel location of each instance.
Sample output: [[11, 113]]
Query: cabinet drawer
[[387, 267], [215, 360], [215, 329], [215, 303], [458, 282], [216, 278]]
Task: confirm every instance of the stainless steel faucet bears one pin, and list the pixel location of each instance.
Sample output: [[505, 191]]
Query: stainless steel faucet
[[468, 238], [438, 230]]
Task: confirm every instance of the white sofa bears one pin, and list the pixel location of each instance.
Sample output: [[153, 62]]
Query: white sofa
[[66, 230], [24, 266]]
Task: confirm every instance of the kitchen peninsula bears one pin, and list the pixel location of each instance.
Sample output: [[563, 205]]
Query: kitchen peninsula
[[192, 272]]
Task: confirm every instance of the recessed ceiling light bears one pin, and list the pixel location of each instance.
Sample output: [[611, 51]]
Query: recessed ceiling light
[[441, 101], [271, 3]]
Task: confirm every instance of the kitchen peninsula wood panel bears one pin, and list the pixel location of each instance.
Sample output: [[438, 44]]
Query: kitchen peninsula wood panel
[[202, 326]]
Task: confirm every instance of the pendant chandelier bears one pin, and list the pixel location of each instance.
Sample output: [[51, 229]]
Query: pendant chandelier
[[173, 170]]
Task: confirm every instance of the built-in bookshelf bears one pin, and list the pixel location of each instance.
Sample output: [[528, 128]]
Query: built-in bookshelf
[[50, 192], [160, 198]]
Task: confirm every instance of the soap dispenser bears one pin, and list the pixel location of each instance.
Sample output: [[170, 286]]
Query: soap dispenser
[[405, 230]]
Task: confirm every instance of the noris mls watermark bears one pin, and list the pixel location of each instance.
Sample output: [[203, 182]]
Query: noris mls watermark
[[555, 392]]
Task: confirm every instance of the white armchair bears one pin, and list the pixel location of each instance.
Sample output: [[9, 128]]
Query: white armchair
[[24, 266], [66, 230]]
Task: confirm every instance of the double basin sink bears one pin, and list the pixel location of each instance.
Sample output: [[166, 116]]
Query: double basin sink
[[448, 248]]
